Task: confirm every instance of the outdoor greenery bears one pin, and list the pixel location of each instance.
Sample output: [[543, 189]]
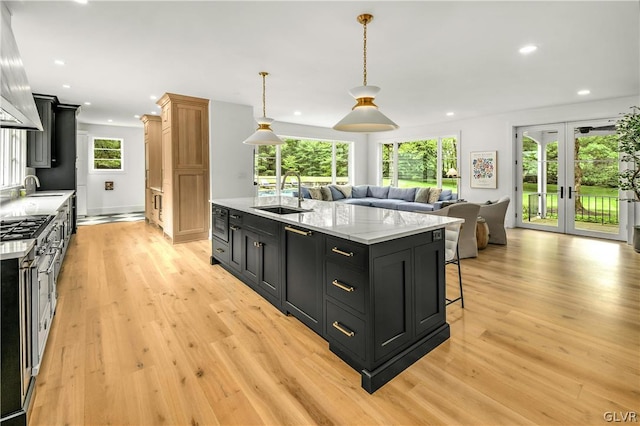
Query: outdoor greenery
[[628, 131], [310, 158], [418, 160], [107, 154], [595, 178]]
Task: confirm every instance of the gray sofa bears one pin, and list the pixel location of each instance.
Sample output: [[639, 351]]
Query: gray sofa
[[386, 197]]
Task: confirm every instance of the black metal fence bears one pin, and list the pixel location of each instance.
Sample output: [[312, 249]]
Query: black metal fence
[[589, 208]]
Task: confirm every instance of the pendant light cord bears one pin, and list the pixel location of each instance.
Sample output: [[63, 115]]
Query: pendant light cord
[[364, 53], [264, 89]]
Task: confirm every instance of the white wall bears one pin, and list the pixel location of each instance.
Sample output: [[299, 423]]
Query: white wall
[[230, 161], [497, 133], [128, 193]]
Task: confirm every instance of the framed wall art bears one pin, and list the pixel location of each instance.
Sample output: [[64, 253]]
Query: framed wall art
[[484, 168]]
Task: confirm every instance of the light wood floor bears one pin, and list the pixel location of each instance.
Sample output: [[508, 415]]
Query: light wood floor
[[147, 333]]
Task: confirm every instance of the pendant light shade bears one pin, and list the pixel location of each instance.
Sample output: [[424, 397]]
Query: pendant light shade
[[264, 135], [365, 116]]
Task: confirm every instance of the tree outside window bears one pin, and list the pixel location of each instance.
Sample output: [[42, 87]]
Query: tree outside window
[[318, 162], [107, 154]]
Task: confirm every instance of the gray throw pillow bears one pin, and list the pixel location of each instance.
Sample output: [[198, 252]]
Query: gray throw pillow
[[359, 191], [422, 195], [336, 194], [345, 189], [326, 193], [315, 193], [434, 195], [378, 191]]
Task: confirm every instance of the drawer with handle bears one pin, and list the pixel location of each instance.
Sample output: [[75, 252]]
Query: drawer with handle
[[346, 251], [221, 251], [346, 330], [345, 285]]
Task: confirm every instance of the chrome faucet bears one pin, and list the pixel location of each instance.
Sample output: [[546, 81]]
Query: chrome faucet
[[31, 190], [296, 174]]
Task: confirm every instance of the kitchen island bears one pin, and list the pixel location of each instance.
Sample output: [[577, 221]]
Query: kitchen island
[[369, 281]]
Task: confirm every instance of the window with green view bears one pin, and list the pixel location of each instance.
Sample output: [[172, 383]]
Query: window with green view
[[107, 154]]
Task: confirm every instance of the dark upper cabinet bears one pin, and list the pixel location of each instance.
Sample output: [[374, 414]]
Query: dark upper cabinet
[[41, 146]]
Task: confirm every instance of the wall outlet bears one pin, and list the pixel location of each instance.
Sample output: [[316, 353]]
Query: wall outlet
[[108, 185]]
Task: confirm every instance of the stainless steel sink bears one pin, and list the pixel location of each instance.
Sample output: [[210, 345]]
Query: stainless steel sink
[[282, 209], [36, 194]]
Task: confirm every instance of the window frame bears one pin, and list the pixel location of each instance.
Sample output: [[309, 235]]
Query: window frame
[[395, 158], [14, 153], [278, 160], [91, 150]]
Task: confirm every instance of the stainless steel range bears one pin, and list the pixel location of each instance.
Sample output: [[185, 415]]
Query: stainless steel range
[[41, 268]]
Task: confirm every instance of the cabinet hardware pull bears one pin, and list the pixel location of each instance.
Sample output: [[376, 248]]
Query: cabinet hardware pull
[[298, 231], [235, 228], [343, 330], [345, 287], [234, 216], [257, 244], [219, 250], [344, 253]]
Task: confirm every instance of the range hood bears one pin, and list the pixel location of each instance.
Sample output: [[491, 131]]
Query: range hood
[[17, 107]]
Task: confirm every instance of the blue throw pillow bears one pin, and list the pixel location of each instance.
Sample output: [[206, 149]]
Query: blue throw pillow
[[359, 191], [378, 191], [305, 192], [406, 194], [336, 194], [445, 195]]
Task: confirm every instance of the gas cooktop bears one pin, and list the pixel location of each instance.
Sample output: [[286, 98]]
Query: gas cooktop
[[23, 228]]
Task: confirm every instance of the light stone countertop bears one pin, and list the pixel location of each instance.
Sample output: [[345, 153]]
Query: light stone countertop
[[29, 206], [366, 225]]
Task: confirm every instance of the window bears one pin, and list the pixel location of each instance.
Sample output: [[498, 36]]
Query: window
[[107, 154], [318, 162], [13, 157], [428, 162]]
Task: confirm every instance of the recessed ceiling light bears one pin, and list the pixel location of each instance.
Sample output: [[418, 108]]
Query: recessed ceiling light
[[584, 92], [110, 120], [297, 113], [58, 62], [66, 86], [87, 103], [530, 48], [82, 1], [136, 116], [154, 112], [450, 113], [153, 97]]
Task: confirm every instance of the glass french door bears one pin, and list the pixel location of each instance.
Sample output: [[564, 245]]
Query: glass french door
[[567, 174]]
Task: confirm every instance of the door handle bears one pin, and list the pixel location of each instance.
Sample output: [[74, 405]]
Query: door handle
[[561, 192], [569, 192]]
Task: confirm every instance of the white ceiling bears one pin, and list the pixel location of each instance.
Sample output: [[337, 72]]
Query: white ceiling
[[428, 57]]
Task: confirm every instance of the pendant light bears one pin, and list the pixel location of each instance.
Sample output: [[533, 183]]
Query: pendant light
[[365, 116], [264, 135]]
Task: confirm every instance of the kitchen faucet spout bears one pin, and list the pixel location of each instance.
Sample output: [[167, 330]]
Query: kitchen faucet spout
[[25, 182], [297, 175]]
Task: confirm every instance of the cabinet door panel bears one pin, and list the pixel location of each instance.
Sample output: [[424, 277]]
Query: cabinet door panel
[[270, 266], [192, 212], [303, 278], [251, 257], [190, 128], [392, 277], [429, 306], [235, 247]]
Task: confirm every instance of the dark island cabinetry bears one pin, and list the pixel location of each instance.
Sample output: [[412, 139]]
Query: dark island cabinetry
[[303, 276], [380, 306]]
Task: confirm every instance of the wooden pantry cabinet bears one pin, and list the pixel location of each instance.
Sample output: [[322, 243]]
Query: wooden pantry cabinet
[[184, 167]]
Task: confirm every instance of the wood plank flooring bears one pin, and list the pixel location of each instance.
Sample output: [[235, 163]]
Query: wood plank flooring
[[147, 333]]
